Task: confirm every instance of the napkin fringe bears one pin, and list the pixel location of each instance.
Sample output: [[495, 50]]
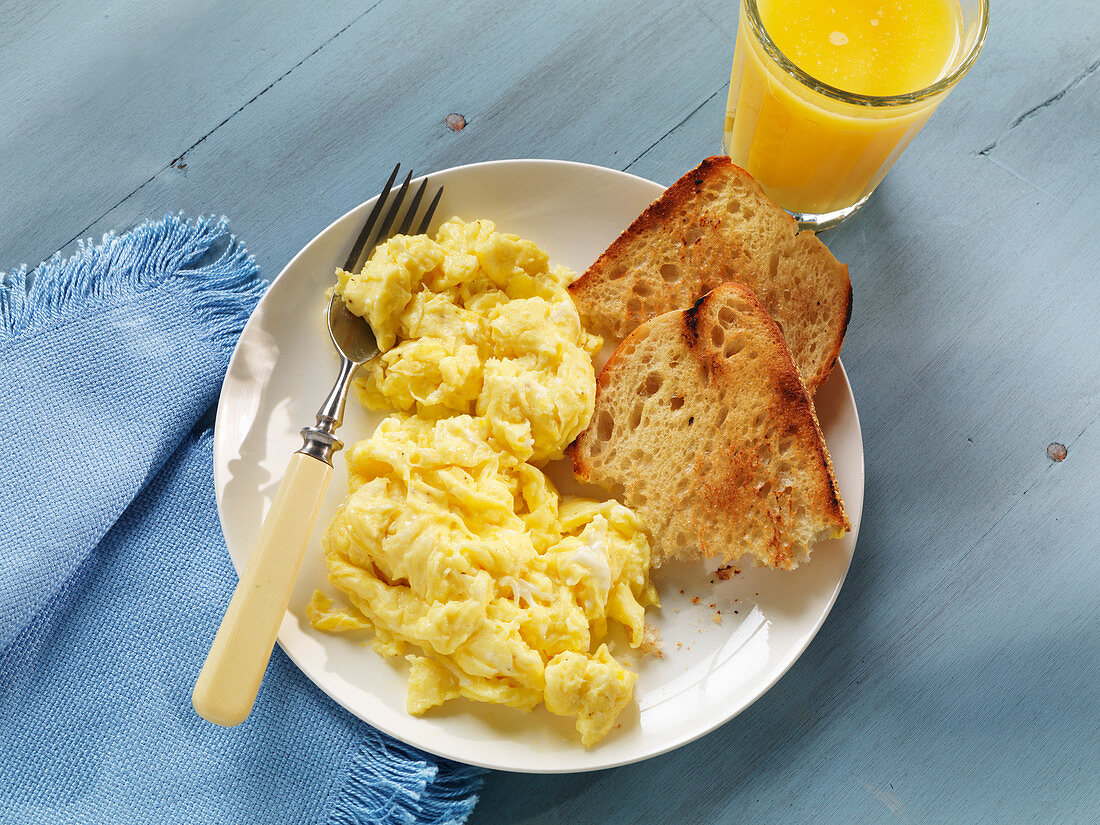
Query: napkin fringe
[[389, 783], [213, 268]]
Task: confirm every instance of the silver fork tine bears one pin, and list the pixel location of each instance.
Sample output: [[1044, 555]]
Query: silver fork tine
[[431, 211], [411, 213], [365, 233], [384, 231], [371, 235]]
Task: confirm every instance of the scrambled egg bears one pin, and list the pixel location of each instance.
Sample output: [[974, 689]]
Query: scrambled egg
[[476, 322], [463, 551], [452, 546]]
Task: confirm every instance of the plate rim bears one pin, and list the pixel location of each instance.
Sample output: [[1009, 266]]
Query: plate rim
[[677, 742]]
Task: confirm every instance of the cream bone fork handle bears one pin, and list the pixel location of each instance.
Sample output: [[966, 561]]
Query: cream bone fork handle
[[230, 678]]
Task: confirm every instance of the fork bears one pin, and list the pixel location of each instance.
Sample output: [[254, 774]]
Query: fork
[[230, 678]]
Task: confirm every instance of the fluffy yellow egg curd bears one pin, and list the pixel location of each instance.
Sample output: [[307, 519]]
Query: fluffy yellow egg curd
[[453, 547], [476, 322]]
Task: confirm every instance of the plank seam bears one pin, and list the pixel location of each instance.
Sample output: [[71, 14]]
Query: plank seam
[[250, 101], [272, 85], [1050, 101], [689, 116]]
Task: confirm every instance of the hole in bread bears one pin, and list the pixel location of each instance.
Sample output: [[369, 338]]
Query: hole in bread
[[643, 290], [605, 426], [733, 346], [652, 383], [636, 415], [726, 317], [637, 454], [785, 445], [765, 488], [693, 235], [747, 212], [733, 206], [723, 414], [670, 272], [727, 272], [638, 500], [676, 402], [633, 306], [595, 448], [773, 263], [617, 273], [717, 335]]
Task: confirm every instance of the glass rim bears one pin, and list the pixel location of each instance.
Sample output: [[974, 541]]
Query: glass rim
[[806, 79]]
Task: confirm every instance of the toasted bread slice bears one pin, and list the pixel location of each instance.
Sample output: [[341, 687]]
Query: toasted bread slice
[[704, 427], [715, 224]]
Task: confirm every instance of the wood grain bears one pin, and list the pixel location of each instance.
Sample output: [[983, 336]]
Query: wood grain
[[955, 680]]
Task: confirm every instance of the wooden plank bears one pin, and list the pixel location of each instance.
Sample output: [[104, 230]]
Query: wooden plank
[[320, 139], [954, 680], [982, 715], [97, 101]]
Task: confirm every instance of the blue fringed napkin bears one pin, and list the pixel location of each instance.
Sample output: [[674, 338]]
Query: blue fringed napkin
[[114, 574]]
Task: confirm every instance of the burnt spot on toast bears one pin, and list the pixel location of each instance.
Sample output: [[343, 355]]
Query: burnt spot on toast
[[690, 324]]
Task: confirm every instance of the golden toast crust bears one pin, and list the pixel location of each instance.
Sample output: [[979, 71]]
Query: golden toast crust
[[715, 225], [704, 426]]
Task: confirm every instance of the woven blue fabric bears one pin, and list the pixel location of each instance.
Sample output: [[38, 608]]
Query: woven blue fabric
[[114, 574]]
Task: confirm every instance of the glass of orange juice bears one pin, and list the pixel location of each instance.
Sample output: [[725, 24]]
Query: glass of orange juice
[[826, 94]]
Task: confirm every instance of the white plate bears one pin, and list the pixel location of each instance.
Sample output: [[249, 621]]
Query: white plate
[[282, 369]]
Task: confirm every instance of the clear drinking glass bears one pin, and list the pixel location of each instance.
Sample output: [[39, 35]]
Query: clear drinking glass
[[819, 151]]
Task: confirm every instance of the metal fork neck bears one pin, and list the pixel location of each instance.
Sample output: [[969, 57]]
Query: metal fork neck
[[320, 441]]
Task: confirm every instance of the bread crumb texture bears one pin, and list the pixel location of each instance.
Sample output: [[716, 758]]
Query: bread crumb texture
[[716, 225], [703, 425]]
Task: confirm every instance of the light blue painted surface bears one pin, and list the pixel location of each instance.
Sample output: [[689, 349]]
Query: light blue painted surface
[[956, 679]]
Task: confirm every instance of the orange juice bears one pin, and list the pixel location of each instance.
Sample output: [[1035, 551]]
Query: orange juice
[[821, 122]]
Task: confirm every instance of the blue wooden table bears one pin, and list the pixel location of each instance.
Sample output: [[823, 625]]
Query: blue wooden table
[[956, 679]]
